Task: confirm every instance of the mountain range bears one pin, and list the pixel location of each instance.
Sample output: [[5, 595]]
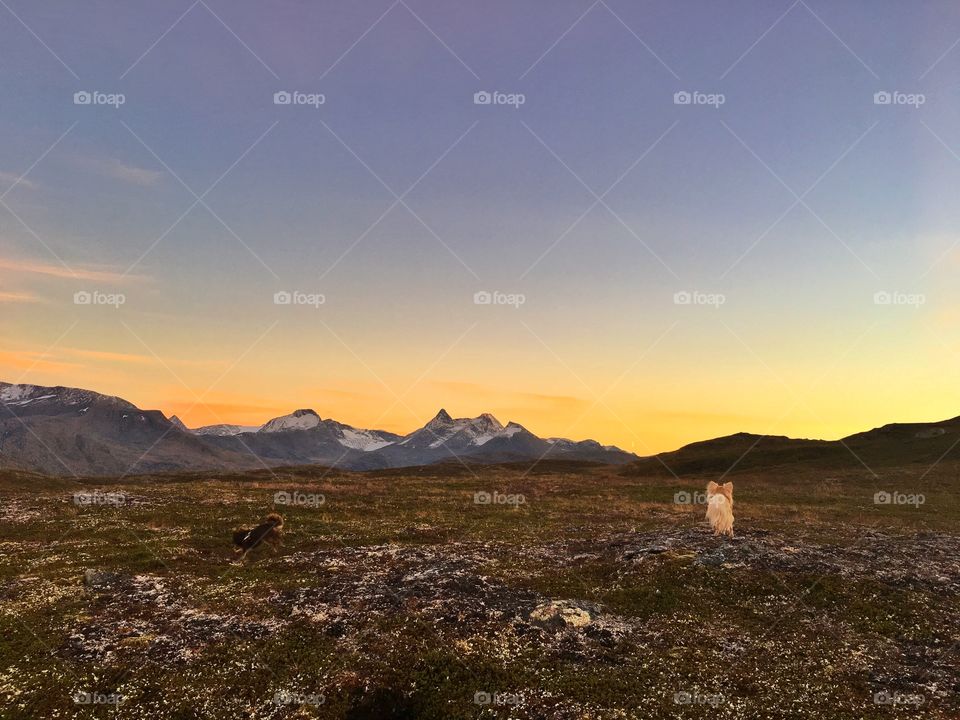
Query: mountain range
[[69, 431]]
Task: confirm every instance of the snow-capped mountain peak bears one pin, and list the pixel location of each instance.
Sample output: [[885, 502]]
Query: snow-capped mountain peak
[[25, 395], [512, 429], [297, 420], [446, 432], [441, 420]]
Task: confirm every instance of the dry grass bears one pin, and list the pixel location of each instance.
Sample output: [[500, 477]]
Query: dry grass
[[400, 597]]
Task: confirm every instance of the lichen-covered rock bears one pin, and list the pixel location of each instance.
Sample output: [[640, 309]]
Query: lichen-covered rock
[[561, 613]]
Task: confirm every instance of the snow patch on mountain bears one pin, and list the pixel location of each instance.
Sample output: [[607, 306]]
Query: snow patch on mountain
[[362, 439], [511, 429], [297, 420], [467, 431], [505, 432], [19, 395], [224, 430], [13, 393]]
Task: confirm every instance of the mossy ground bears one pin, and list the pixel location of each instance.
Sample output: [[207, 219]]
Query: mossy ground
[[401, 597]]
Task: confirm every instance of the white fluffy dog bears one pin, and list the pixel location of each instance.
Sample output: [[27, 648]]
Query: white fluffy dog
[[720, 508]]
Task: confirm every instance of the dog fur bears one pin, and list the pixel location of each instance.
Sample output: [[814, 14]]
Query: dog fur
[[720, 508], [270, 531]]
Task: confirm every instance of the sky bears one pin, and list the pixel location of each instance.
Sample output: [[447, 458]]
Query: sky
[[671, 221]]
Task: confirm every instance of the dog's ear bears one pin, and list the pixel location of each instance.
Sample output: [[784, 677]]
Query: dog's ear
[[712, 488], [728, 489]]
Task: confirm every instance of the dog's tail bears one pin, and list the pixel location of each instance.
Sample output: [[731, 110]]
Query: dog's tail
[[275, 519], [239, 535]]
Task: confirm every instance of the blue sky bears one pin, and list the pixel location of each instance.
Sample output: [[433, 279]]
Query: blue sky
[[797, 200]]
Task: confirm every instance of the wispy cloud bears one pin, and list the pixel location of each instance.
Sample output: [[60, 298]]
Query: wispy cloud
[[511, 397], [8, 180], [213, 413], [119, 170], [31, 360], [75, 272], [138, 358], [19, 297], [112, 356]]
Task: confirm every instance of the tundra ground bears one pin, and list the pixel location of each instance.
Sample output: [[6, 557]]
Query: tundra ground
[[576, 592]]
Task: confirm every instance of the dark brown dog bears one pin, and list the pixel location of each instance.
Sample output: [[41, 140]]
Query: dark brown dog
[[270, 531]]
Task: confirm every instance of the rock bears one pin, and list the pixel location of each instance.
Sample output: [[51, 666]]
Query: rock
[[640, 553], [561, 613], [714, 559], [98, 580]]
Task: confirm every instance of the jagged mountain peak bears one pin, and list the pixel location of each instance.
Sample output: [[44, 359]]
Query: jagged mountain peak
[[442, 418], [488, 420]]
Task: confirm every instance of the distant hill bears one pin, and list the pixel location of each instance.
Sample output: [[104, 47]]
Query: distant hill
[[899, 444]]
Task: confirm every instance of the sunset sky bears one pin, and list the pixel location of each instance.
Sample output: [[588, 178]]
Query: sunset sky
[[783, 212]]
